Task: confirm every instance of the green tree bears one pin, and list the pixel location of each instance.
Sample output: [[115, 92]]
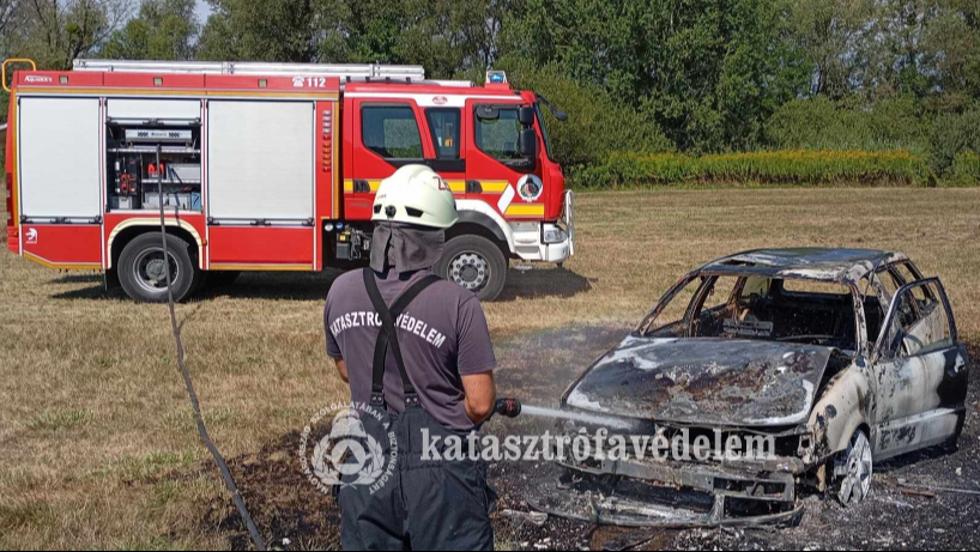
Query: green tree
[[954, 37], [56, 32], [163, 29], [708, 73], [284, 30]]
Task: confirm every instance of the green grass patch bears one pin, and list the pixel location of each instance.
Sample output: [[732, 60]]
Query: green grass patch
[[56, 420], [155, 464]]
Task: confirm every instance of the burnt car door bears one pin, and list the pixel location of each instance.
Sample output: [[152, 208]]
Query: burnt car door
[[920, 372]]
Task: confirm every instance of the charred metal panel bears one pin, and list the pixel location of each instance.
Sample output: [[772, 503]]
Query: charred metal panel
[[833, 265], [705, 381]]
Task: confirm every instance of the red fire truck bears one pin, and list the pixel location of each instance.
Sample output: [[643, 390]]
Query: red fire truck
[[266, 166]]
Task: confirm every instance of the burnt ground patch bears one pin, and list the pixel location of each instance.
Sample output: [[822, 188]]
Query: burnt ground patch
[[910, 506]]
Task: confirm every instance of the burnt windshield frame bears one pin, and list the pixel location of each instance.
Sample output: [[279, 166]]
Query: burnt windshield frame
[[645, 328]]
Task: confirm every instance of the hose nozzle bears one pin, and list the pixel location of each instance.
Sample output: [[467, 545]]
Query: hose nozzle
[[510, 408]]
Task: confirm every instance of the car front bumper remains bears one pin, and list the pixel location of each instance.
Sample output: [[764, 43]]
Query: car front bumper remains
[[670, 494]]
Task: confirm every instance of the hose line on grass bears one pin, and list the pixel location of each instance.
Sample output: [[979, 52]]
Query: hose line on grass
[[202, 429]]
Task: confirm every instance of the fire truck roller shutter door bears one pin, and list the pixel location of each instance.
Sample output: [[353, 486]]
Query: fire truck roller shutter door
[[59, 158], [260, 160], [159, 110]]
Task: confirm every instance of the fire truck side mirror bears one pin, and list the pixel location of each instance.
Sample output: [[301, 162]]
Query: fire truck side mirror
[[526, 116], [529, 144]]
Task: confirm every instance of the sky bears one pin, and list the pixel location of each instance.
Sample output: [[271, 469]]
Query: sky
[[202, 10]]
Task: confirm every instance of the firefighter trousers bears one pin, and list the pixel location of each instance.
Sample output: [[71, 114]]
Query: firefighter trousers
[[427, 504]]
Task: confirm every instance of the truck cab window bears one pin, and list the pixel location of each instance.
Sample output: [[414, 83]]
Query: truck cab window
[[444, 126], [391, 131], [499, 136]]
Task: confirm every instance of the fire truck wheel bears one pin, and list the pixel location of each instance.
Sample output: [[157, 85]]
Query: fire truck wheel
[[143, 275], [475, 263]]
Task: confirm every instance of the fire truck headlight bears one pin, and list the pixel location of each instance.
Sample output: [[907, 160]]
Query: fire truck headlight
[[554, 234]]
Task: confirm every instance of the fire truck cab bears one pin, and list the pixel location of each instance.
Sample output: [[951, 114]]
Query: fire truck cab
[[263, 167]]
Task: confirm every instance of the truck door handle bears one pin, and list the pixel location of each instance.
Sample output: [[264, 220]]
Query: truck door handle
[[474, 187], [361, 186]]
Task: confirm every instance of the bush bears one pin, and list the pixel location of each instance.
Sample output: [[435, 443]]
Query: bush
[[952, 134], [770, 167], [820, 123], [966, 169], [596, 125]]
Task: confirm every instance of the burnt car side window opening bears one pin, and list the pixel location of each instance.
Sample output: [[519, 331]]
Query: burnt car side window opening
[[920, 322], [391, 131]]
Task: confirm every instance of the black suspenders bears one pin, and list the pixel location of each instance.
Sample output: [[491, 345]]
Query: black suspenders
[[388, 335]]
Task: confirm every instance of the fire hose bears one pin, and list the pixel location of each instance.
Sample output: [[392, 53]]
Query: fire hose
[[202, 429]]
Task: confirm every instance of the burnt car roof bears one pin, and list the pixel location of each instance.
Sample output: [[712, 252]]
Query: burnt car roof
[[814, 263]]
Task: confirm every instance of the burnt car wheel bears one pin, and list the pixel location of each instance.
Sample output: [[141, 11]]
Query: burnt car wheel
[[852, 471]]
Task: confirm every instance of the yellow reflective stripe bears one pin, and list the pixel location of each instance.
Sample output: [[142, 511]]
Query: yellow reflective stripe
[[494, 186], [261, 266], [372, 184], [455, 186], [60, 265], [526, 210]]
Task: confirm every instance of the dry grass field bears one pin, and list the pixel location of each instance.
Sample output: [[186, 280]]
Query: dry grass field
[[97, 442]]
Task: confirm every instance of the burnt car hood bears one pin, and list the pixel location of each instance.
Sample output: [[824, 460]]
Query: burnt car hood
[[704, 381]]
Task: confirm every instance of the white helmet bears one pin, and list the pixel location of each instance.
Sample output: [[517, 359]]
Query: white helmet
[[415, 194]]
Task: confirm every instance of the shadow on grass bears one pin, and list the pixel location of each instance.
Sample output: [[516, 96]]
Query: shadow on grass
[[78, 278], [307, 286], [549, 282]]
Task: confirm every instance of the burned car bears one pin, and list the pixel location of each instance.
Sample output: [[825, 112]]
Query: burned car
[[838, 358]]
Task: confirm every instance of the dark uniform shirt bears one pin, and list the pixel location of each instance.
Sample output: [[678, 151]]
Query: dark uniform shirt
[[443, 335]]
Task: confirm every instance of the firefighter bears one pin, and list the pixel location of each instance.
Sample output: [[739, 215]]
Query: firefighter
[[415, 348]]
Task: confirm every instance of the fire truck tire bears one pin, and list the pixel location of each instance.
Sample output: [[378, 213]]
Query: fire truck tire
[[143, 275], [476, 264]]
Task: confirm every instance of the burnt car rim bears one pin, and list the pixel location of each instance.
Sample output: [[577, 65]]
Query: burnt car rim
[[855, 467]]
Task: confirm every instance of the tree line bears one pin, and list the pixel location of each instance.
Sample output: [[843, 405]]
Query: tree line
[[691, 76]]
